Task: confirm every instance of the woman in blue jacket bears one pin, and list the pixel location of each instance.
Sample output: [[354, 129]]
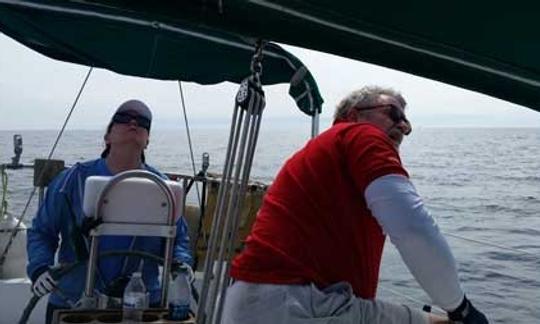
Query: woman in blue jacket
[[59, 219]]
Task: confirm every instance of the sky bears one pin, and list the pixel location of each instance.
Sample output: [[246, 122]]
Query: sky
[[36, 92]]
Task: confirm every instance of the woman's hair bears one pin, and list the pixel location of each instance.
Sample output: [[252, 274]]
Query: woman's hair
[[107, 149], [365, 97]]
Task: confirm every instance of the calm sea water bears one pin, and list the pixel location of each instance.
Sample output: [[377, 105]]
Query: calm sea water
[[480, 184]]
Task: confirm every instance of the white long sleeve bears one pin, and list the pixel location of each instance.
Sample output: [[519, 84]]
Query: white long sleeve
[[400, 211]]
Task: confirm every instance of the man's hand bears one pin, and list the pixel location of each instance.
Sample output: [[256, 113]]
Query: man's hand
[[44, 284], [467, 314]]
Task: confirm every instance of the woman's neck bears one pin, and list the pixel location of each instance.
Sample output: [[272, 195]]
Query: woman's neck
[[123, 160]]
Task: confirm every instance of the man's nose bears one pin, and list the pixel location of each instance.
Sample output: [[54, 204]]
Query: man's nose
[[404, 126]]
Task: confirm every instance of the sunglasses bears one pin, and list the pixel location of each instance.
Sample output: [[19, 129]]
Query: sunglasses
[[124, 118], [395, 114]]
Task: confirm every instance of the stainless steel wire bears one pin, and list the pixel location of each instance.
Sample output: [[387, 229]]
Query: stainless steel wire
[[242, 143], [250, 151], [33, 192], [190, 143], [492, 244], [217, 220]]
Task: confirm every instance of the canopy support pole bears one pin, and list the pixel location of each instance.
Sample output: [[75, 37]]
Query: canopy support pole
[[315, 124], [245, 125]]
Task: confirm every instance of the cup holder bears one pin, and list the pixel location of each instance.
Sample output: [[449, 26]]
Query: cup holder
[[110, 318], [167, 318], [117, 318], [150, 317], [77, 318]]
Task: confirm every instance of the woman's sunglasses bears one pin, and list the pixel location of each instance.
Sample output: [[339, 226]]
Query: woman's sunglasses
[[124, 118], [395, 114]]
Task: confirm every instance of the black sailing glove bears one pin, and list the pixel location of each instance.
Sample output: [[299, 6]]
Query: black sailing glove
[[467, 314], [44, 284]]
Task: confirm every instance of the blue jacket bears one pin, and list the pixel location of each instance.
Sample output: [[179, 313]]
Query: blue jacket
[[54, 220]]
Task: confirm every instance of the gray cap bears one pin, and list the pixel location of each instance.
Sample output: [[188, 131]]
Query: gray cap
[[136, 106]]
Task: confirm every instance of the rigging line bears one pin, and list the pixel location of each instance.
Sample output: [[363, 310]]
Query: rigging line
[[188, 132], [416, 301], [491, 270], [70, 113], [487, 243], [521, 277], [60, 133]]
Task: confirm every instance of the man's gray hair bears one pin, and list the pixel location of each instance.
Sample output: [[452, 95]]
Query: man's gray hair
[[365, 97]]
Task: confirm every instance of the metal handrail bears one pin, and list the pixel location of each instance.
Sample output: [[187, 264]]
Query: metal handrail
[[89, 286]]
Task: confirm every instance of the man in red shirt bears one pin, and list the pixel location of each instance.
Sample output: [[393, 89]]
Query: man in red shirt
[[315, 248]]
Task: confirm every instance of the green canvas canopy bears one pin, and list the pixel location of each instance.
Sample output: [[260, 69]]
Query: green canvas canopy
[[135, 44], [492, 48]]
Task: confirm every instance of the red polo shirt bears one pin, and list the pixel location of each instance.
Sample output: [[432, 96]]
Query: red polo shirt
[[313, 225]]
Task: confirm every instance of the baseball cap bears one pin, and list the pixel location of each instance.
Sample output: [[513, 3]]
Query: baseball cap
[[136, 106]]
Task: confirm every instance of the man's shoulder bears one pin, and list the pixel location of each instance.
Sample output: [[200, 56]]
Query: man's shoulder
[[358, 127], [363, 132]]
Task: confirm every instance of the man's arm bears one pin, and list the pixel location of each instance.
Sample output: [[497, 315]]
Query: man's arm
[[400, 211], [396, 205]]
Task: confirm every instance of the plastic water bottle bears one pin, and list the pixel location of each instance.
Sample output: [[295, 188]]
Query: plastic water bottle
[[179, 297], [135, 299]]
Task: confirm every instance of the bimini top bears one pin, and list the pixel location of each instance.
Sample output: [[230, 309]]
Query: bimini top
[[492, 49], [130, 41]]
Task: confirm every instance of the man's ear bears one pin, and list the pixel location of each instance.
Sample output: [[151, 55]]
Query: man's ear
[[106, 139], [352, 115]]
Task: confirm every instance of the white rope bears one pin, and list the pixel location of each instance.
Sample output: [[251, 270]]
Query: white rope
[[189, 139], [488, 243], [21, 218]]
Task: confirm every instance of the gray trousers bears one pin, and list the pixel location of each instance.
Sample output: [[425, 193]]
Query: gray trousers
[[301, 304]]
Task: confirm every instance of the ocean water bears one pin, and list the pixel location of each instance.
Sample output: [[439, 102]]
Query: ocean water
[[482, 186]]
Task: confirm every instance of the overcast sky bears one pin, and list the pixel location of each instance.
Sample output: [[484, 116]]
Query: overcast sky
[[36, 93]]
